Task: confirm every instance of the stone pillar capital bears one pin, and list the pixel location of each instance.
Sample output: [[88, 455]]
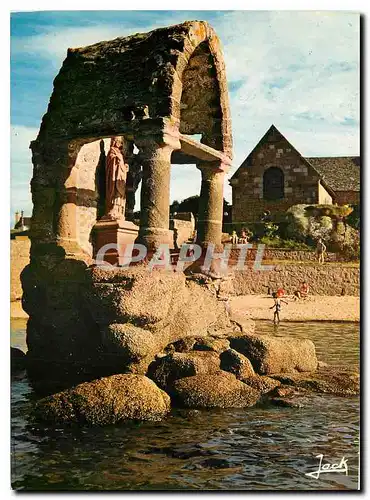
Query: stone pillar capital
[[167, 138], [211, 168]]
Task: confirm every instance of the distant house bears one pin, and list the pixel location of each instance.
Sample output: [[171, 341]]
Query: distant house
[[276, 176], [342, 175], [22, 224]]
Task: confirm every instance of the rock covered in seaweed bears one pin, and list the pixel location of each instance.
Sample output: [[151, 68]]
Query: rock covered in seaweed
[[164, 371], [262, 383], [216, 390], [330, 380], [236, 363]]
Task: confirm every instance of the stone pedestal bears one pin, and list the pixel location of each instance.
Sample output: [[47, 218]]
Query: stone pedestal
[[114, 232]]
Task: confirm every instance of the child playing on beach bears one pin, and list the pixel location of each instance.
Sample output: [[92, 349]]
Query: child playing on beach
[[277, 309]]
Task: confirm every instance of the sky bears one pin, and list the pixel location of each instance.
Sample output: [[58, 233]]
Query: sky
[[296, 70]]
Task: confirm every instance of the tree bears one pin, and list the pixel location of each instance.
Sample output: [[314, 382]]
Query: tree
[[191, 204], [354, 219], [174, 207]]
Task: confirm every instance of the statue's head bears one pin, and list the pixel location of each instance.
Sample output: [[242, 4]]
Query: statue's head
[[116, 142]]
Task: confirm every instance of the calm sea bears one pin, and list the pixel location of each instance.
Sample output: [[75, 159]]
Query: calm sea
[[260, 448]]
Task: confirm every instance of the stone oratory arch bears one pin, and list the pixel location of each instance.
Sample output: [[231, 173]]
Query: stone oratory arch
[[153, 90]]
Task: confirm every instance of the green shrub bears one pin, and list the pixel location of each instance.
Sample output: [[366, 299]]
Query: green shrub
[[354, 218], [277, 242]]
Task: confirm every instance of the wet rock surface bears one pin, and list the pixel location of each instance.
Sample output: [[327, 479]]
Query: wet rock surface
[[236, 363], [288, 402], [216, 390], [272, 355], [215, 463], [330, 380], [208, 343], [105, 401], [167, 369], [285, 391], [18, 360], [215, 344], [261, 383]]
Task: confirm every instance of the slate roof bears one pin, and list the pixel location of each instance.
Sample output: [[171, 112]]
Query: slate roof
[[339, 173]]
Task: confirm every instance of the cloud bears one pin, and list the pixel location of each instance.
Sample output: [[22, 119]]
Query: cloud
[[52, 43], [298, 70], [21, 169]]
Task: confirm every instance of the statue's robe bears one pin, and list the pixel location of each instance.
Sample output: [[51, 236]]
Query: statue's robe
[[116, 173]]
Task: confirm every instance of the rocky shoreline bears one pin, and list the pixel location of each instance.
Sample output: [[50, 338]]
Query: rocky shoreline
[[164, 340], [279, 371]]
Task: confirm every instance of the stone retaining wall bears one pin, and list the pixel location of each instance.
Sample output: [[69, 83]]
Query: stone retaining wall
[[323, 280], [19, 258], [184, 229], [286, 254]]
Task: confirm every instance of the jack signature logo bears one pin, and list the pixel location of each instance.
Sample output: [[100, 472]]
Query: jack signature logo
[[335, 467]]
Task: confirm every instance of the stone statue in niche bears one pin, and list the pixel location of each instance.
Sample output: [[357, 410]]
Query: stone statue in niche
[[116, 173]]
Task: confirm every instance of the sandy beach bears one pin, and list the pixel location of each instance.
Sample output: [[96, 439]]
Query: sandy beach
[[314, 308], [16, 310]]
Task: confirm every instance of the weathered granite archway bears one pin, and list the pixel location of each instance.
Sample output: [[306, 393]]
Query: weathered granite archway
[[152, 89], [149, 88]]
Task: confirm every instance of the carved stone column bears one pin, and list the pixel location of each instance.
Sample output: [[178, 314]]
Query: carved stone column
[[134, 176], [42, 229], [155, 157], [67, 213], [54, 194], [209, 229]]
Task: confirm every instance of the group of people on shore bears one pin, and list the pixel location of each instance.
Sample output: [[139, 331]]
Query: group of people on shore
[[241, 238]]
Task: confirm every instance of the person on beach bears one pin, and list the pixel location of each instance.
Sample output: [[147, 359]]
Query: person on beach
[[304, 290], [243, 237], [320, 250], [277, 309], [280, 292], [234, 238], [302, 293]]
